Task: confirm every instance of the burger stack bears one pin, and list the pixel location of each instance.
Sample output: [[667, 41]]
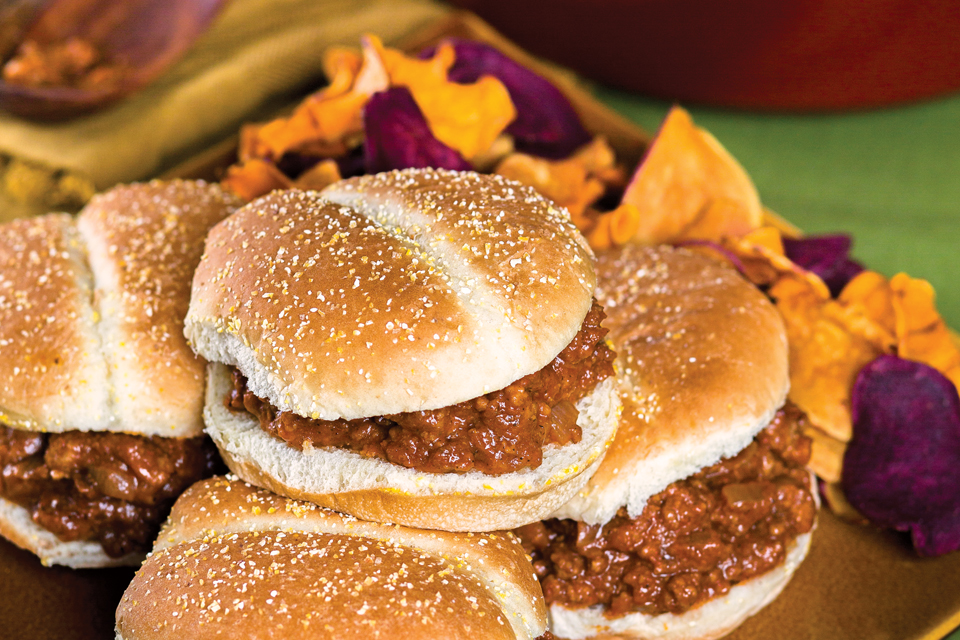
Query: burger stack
[[405, 367]]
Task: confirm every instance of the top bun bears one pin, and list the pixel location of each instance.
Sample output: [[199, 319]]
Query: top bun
[[702, 364], [398, 292], [91, 312]]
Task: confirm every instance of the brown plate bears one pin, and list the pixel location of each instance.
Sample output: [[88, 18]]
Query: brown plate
[[857, 582]]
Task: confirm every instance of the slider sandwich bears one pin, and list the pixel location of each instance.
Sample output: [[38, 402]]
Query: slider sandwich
[[100, 396], [234, 561], [703, 508], [419, 347]]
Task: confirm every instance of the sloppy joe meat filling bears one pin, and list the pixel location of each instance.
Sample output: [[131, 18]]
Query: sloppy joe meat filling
[[112, 488], [693, 541], [500, 432]]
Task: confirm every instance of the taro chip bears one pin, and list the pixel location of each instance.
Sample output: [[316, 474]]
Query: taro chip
[[398, 136], [546, 124], [901, 467], [828, 256], [689, 187]]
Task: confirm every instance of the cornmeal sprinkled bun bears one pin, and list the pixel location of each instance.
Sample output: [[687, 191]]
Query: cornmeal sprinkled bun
[[236, 561], [400, 292]]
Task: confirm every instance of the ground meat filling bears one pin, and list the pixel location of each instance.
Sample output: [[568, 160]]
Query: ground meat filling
[[112, 488], [694, 540], [497, 433]]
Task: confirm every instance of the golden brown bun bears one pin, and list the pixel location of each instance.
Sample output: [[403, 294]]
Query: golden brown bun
[[378, 490], [91, 312], [702, 363], [398, 292], [235, 561]]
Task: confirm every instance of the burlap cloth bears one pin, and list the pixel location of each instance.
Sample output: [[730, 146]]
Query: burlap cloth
[[258, 53]]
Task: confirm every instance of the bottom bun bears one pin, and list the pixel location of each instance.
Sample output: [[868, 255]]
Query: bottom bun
[[714, 619], [377, 490], [18, 527]]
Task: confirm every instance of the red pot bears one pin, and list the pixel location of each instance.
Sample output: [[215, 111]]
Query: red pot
[[779, 54]]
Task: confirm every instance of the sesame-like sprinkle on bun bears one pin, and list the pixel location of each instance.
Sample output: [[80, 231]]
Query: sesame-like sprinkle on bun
[[397, 292], [238, 561]]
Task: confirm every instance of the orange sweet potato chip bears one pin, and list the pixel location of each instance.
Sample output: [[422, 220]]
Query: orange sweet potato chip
[[319, 176], [825, 354], [566, 182], [250, 145], [465, 117], [763, 261], [329, 122], [826, 453], [689, 186], [922, 335], [341, 66], [576, 183], [614, 228], [867, 301], [254, 178]]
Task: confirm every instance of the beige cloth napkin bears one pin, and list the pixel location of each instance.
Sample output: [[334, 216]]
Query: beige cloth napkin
[[257, 51]]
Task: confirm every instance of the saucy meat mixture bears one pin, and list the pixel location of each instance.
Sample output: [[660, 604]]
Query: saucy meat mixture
[[500, 432], [112, 488], [693, 541]]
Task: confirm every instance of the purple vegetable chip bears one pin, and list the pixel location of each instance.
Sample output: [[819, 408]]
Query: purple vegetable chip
[[546, 123], [902, 466], [827, 256], [398, 137]]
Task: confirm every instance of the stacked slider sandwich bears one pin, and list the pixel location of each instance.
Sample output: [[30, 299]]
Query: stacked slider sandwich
[[702, 508], [100, 396], [418, 347]]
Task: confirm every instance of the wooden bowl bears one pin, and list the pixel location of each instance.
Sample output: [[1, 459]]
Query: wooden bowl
[[145, 36], [796, 55]]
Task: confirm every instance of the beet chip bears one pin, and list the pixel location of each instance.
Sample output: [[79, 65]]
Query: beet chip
[[902, 466], [398, 137], [827, 256], [546, 125]]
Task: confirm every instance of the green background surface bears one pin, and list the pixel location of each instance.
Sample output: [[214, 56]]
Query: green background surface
[[890, 177]]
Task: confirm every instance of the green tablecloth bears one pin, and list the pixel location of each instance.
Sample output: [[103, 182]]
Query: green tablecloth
[[890, 177]]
